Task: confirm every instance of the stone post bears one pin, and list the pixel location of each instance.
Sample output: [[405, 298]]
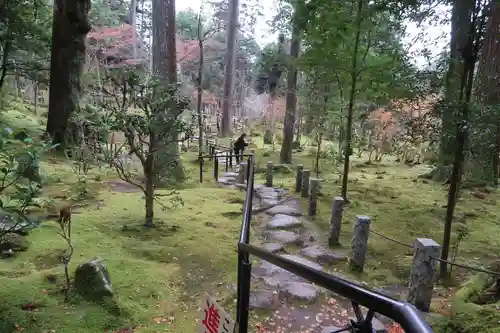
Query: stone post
[[336, 221], [242, 173], [313, 196], [298, 178], [359, 244], [305, 183], [423, 273], [269, 174]]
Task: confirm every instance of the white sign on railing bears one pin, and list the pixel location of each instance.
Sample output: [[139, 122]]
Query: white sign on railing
[[213, 318]]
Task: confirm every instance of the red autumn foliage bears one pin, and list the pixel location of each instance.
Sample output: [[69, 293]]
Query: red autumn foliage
[[395, 328], [117, 43]]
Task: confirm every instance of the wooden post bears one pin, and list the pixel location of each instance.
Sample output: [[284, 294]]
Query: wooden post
[[336, 221], [305, 183], [313, 196], [298, 178], [423, 273], [269, 174], [359, 244]]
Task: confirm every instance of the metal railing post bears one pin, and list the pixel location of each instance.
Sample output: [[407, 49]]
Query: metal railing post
[[227, 161], [210, 152], [216, 168], [201, 168], [244, 296]]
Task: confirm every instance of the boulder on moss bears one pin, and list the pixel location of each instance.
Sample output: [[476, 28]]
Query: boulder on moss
[[14, 242], [92, 280]]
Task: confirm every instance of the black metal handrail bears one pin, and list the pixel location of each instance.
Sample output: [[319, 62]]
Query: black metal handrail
[[403, 313], [214, 156]]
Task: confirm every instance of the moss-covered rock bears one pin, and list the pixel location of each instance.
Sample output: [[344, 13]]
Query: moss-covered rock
[[92, 280], [14, 242]]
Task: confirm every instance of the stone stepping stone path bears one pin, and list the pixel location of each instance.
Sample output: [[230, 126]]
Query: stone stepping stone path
[[282, 221], [294, 304]]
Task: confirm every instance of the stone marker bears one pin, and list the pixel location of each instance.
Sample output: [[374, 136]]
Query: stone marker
[[298, 178], [336, 221], [359, 246], [313, 196], [92, 280], [423, 273], [241, 173], [269, 174], [305, 183]]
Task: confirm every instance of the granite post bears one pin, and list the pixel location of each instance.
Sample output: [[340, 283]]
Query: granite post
[[359, 244], [336, 221], [423, 273]]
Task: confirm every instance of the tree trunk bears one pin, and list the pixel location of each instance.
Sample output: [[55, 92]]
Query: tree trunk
[[133, 23], [352, 95], [229, 69], [460, 22], [461, 100], [199, 89], [70, 27], [150, 191], [165, 68], [291, 95]]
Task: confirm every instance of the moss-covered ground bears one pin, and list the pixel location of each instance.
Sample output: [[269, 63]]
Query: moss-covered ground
[[160, 275]]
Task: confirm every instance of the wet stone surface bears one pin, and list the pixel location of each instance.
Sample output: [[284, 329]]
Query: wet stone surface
[[281, 221], [264, 299], [226, 180], [230, 174], [292, 208], [272, 247], [284, 237], [322, 255], [300, 290], [274, 275]]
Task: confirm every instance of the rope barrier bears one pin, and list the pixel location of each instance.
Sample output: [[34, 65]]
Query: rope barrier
[[384, 236], [472, 268], [392, 239]]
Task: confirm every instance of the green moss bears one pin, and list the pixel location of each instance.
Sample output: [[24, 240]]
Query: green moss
[[161, 272]]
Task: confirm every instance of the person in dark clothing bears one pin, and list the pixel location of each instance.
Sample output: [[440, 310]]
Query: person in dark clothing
[[239, 146]]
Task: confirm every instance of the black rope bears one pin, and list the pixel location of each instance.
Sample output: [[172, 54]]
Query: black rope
[[384, 236], [392, 239], [477, 269]]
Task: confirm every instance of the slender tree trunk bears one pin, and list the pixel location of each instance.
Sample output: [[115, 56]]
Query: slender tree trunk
[[291, 95], [199, 89], [460, 21], [352, 95], [229, 69], [35, 92], [133, 23], [462, 98], [70, 27], [149, 193]]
